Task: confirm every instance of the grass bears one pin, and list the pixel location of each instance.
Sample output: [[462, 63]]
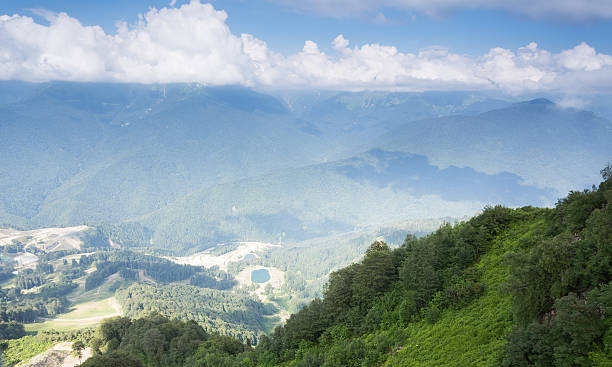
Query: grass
[[23, 349], [90, 307], [82, 315], [106, 290], [474, 335]]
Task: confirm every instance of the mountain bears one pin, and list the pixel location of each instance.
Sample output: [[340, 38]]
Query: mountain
[[194, 165], [178, 169], [357, 119], [134, 148], [372, 189], [546, 145]]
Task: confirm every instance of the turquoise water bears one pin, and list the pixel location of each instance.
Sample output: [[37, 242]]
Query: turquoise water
[[260, 276]]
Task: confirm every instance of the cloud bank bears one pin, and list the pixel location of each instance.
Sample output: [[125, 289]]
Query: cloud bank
[[193, 43], [568, 10]]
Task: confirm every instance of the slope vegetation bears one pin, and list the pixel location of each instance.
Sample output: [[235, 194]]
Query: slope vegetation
[[511, 287]]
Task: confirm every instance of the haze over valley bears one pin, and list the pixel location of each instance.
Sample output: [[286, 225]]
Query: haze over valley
[[195, 166]]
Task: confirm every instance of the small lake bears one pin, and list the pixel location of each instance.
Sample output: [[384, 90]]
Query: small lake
[[260, 276]]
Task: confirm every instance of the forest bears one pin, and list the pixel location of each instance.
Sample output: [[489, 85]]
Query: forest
[[232, 314], [509, 287], [50, 298]]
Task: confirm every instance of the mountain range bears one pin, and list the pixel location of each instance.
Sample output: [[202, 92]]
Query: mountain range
[[199, 165]]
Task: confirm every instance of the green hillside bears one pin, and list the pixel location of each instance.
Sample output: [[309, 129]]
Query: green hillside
[[511, 287]]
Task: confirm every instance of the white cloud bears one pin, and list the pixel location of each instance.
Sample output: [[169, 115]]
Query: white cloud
[[340, 43], [570, 10], [572, 102], [583, 57], [192, 43]]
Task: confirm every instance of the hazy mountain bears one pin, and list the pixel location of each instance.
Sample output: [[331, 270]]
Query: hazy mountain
[[545, 144], [198, 165], [133, 148], [357, 119], [372, 189]]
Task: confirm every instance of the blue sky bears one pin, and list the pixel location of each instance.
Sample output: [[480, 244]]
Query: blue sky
[[466, 31], [516, 46], [285, 28]]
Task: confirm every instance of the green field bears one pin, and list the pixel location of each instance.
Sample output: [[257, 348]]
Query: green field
[[104, 291], [82, 315]]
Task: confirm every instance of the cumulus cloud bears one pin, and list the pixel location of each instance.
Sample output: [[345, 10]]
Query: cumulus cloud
[[570, 10], [192, 43], [187, 44]]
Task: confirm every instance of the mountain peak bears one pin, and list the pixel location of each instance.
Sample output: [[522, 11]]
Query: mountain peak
[[537, 101]]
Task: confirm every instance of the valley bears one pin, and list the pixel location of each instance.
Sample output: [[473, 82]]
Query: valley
[[313, 183], [96, 281], [184, 167], [170, 202], [456, 295]]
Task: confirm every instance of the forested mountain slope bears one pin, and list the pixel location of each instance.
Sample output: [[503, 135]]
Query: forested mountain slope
[[372, 189], [542, 142], [193, 166], [511, 287], [134, 148]]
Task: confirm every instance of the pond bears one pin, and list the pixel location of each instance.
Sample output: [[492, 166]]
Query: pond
[[260, 276]]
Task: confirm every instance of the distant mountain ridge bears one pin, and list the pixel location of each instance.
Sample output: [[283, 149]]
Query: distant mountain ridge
[[374, 188], [200, 164], [122, 139], [547, 145]]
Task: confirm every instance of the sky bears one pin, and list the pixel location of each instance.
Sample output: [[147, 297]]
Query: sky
[[516, 46]]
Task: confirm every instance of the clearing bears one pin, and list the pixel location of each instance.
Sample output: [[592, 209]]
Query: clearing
[[45, 239], [208, 259], [82, 315]]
